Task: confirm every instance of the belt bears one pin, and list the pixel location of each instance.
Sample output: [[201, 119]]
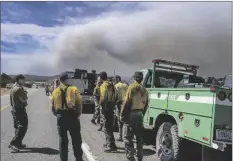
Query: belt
[[19, 107], [66, 112], [137, 110]]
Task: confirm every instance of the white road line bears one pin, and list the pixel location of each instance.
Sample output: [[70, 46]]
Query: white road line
[[87, 152]]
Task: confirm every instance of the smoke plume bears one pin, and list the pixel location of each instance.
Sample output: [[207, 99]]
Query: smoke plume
[[196, 33]]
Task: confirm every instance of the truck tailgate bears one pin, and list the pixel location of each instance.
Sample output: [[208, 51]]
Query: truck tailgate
[[196, 106], [223, 118]]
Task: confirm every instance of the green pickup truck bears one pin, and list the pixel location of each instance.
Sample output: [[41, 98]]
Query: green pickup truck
[[182, 106]]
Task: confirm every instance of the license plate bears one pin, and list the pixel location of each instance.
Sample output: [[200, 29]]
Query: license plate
[[223, 135]]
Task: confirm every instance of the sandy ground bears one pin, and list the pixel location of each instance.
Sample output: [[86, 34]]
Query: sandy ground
[[4, 91]]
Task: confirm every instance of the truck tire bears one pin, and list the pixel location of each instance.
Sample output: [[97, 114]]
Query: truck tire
[[168, 142]]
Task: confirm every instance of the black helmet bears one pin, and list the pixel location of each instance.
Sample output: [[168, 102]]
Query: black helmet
[[103, 75], [118, 77], [18, 77], [63, 76], [138, 76]]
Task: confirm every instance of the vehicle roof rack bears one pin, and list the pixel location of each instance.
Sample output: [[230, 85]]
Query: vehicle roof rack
[[175, 66]]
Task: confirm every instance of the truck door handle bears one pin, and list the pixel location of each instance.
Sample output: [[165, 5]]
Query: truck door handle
[[159, 94], [197, 122], [187, 96]]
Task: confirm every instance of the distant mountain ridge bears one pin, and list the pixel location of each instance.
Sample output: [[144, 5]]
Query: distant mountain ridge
[[48, 78], [37, 77]]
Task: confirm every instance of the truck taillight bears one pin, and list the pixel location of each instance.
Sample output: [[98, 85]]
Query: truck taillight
[[222, 95], [212, 89], [230, 97]]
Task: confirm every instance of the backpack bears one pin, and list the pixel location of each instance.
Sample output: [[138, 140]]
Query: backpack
[[63, 97]]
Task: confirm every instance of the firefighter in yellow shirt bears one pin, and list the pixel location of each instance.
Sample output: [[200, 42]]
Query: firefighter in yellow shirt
[[66, 105], [132, 113], [121, 88], [107, 102]]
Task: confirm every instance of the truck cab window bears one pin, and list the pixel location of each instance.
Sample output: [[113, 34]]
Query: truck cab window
[[166, 79], [157, 82], [181, 84], [148, 82], [190, 81]]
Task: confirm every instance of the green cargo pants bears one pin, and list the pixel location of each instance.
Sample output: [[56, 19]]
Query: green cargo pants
[[120, 123], [134, 127], [98, 113], [108, 118]]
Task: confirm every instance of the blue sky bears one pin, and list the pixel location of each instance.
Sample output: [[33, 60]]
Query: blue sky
[[31, 28], [49, 37], [49, 14]]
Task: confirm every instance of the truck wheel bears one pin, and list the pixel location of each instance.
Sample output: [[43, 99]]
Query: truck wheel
[[167, 142]]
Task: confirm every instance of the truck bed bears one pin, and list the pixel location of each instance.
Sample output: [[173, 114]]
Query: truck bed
[[201, 110]]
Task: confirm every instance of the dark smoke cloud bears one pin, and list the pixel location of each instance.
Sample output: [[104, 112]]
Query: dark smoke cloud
[[197, 33]]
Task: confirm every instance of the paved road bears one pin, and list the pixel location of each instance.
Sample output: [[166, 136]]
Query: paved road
[[42, 138]]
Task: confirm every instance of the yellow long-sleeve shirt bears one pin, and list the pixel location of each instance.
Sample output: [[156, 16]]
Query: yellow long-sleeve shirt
[[107, 93], [73, 98], [136, 97], [121, 89]]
